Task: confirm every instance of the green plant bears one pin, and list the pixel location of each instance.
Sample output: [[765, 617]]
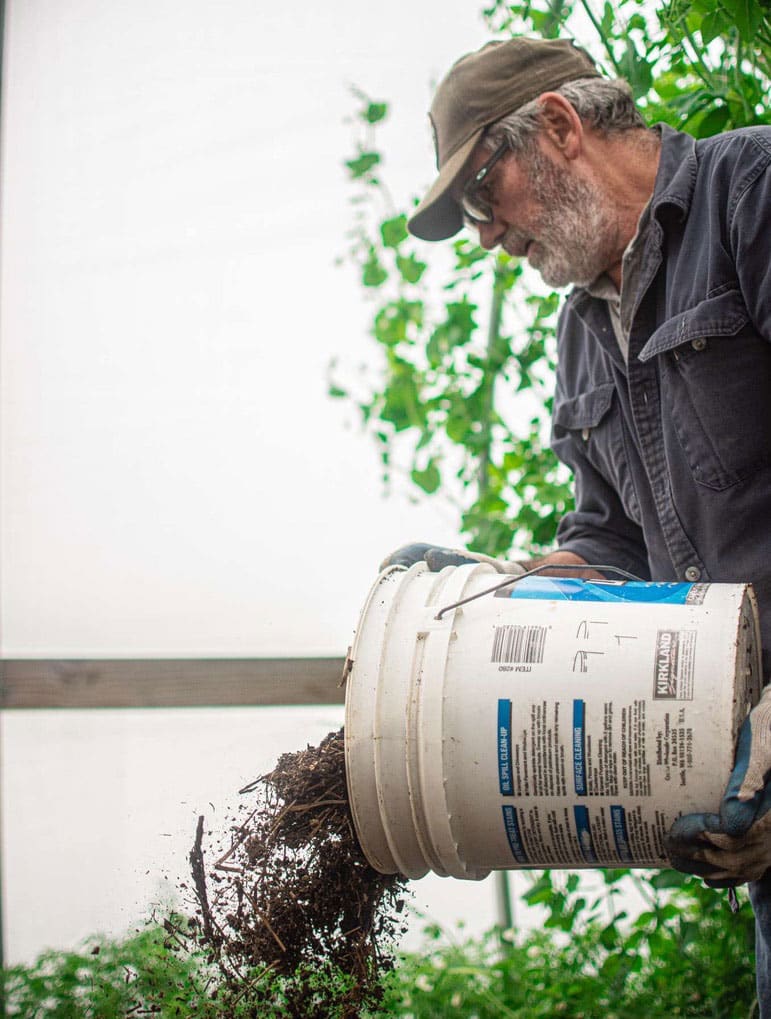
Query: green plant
[[699, 65], [685, 954], [575, 954], [440, 404], [135, 976], [156, 972]]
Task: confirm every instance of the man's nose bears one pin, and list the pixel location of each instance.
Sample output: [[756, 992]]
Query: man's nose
[[491, 234]]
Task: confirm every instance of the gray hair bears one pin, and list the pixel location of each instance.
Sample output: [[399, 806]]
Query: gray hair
[[606, 104]]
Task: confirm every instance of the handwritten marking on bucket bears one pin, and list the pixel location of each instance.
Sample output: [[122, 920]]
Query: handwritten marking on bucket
[[555, 722]]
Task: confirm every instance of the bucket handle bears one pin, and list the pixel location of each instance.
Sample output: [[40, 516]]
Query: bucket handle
[[531, 573]]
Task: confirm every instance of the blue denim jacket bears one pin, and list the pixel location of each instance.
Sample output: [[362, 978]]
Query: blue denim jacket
[[672, 451]]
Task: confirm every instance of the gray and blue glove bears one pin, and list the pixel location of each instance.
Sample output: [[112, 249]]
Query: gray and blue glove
[[438, 557], [734, 846]]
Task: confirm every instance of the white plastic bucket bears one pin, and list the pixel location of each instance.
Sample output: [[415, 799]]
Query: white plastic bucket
[[555, 723]]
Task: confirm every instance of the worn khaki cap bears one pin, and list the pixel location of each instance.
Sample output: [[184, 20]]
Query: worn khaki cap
[[479, 89]]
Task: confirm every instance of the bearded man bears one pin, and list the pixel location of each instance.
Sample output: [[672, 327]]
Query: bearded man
[[662, 407]]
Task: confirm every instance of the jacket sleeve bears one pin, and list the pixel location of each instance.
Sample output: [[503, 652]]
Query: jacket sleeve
[[598, 528], [750, 241]]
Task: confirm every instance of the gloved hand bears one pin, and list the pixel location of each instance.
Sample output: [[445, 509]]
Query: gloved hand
[[734, 846], [438, 557]]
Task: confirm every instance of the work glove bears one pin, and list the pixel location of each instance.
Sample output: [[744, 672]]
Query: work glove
[[438, 557], [734, 846]]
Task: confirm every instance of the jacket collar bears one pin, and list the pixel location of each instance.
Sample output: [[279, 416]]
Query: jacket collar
[[672, 193], [676, 174]]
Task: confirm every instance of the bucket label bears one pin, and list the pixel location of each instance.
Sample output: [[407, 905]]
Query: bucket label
[[504, 748], [584, 832], [674, 664], [620, 833], [511, 824], [579, 765], [573, 589]]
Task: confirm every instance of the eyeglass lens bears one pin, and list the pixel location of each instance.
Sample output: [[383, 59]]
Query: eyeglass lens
[[475, 207]]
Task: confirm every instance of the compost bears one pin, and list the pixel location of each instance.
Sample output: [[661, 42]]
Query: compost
[[289, 903]]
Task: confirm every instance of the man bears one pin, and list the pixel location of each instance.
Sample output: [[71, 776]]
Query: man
[[662, 406]]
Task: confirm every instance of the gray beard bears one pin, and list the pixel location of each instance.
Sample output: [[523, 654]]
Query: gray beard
[[576, 235]]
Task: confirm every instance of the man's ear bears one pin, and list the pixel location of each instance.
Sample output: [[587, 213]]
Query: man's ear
[[561, 124]]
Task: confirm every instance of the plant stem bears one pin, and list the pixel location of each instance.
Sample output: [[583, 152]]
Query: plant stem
[[493, 334], [598, 29], [645, 890], [701, 69], [748, 113]]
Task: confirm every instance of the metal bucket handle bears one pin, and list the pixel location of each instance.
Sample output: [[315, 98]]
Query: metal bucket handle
[[531, 573]]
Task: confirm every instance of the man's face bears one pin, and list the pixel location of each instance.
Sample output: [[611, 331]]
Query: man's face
[[544, 211]]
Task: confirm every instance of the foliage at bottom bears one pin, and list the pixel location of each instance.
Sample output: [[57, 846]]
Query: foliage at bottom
[[685, 954]]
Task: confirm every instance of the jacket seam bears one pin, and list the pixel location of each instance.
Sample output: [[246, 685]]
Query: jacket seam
[[752, 177]]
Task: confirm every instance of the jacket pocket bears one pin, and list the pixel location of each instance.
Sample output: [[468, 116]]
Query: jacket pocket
[[585, 411], [715, 376], [593, 421]]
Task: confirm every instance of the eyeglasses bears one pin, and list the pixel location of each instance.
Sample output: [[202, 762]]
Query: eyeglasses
[[476, 208]]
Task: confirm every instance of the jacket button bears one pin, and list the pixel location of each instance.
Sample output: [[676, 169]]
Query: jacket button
[[699, 343], [585, 433], [692, 573]]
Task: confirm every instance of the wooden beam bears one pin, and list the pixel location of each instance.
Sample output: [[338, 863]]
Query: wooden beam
[[159, 682]]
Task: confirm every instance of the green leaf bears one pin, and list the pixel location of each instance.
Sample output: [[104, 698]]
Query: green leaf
[[712, 123], [458, 425], [394, 231], [396, 321], [401, 404], [428, 479], [362, 164], [612, 877], [410, 268], [375, 112], [746, 15], [373, 274], [636, 70], [712, 25], [667, 879], [542, 22], [468, 254], [608, 17]]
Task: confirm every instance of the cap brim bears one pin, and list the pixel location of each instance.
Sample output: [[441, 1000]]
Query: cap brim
[[439, 216]]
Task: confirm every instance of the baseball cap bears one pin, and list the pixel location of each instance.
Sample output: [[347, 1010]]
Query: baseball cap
[[479, 89]]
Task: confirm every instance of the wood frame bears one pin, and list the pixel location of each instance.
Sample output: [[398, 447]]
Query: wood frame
[[172, 682]]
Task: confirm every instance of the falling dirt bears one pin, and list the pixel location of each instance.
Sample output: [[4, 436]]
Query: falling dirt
[[288, 910]]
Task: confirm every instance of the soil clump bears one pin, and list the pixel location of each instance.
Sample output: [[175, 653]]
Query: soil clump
[[291, 913]]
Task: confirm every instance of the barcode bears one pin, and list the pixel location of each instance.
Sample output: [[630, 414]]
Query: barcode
[[518, 644]]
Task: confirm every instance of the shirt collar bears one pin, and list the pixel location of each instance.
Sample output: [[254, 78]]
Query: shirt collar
[[603, 286]]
